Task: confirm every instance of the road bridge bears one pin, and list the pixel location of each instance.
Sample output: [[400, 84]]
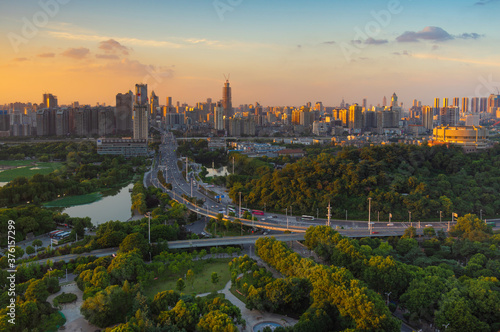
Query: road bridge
[[242, 240]]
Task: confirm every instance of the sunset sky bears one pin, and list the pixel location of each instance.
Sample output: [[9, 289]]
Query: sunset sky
[[277, 52]]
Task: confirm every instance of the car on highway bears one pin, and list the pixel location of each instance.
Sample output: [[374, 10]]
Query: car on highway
[[390, 224], [428, 225], [375, 232]]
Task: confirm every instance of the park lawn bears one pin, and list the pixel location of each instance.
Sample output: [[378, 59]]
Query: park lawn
[[15, 162], [29, 171], [74, 200], [240, 297], [202, 280]]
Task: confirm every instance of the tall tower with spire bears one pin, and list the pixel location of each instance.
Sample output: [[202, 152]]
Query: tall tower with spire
[[227, 104], [394, 100]]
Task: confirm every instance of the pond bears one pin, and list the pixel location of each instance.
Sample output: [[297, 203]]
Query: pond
[[113, 206], [261, 326], [217, 171]]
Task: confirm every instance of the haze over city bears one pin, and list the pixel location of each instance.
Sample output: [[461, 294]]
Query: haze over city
[[277, 52]]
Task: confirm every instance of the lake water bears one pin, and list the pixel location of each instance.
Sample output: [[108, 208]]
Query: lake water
[[217, 171], [110, 207]]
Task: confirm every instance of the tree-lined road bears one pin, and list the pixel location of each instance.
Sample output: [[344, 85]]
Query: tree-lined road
[[167, 162]]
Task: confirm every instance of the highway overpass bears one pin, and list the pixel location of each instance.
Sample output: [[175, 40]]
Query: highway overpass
[[241, 240]]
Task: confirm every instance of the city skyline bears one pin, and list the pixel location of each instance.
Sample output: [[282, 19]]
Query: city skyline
[[277, 53]]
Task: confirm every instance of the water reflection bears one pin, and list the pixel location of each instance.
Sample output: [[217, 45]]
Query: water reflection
[[217, 171], [115, 205]]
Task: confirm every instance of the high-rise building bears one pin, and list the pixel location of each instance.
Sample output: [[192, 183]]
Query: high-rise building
[[226, 100], [154, 103], [140, 115], [62, 122], [394, 100], [219, 117], [106, 121], [445, 102], [456, 102], [123, 112], [450, 116], [364, 103], [4, 120], [355, 117], [49, 100], [483, 105], [465, 105], [493, 103], [384, 102], [427, 117], [46, 122], [436, 103], [474, 107]]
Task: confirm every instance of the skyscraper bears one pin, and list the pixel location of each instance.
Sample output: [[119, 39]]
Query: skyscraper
[[394, 100], [123, 112], [141, 112], [474, 105], [436, 102], [49, 100], [427, 117], [465, 105], [483, 105], [456, 102], [445, 102], [355, 117], [154, 103], [493, 103], [384, 102], [219, 117], [226, 100]]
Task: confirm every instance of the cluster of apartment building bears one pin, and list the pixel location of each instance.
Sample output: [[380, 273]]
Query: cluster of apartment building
[[134, 114]]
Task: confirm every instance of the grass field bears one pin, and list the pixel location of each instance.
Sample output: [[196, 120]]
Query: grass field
[[15, 162], [28, 171], [74, 200], [202, 282]]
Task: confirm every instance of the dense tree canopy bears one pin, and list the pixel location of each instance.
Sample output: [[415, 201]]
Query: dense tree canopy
[[399, 178]]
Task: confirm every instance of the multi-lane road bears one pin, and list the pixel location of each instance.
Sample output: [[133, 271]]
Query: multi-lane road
[[167, 161]]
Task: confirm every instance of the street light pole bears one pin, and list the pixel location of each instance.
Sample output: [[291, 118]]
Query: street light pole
[[369, 212], [239, 212], [329, 214], [286, 214], [149, 227], [440, 216], [410, 217]]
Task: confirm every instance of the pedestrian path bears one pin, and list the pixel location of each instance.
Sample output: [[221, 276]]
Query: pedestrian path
[[253, 317]]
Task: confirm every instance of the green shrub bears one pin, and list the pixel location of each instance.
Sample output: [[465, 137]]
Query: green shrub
[[65, 298]]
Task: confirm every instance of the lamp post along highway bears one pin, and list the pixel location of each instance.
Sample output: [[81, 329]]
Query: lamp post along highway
[[239, 210], [369, 212], [329, 214], [149, 227]]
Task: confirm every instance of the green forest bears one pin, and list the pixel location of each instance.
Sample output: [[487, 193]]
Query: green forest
[[399, 178], [84, 171]]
